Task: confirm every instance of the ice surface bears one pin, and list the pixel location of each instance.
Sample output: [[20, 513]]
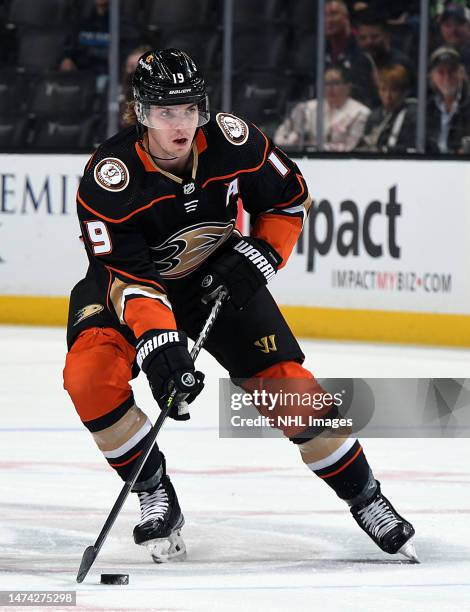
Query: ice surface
[[262, 532]]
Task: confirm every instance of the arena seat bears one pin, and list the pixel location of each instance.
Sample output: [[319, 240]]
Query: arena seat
[[303, 14], [160, 14], [11, 92], [303, 53], [213, 79], [203, 44], [259, 49], [38, 13], [63, 92], [13, 131], [39, 50], [66, 132], [247, 12], [261, 96]]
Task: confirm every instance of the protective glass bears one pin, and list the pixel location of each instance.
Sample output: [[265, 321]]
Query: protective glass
[[182, 116]]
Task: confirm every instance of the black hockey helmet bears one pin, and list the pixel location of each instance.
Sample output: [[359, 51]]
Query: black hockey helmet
[[168, 77]]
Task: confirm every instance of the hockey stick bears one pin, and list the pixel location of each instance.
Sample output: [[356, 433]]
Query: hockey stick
[[91, 552]]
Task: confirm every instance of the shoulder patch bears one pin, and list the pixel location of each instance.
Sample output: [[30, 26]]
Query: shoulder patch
[[233, 128], [87, 311], [112, 174]]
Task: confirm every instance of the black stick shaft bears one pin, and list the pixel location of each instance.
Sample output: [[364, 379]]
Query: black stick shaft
[[91, 552]]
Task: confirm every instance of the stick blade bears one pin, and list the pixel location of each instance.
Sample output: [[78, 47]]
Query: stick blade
[[88, 558]]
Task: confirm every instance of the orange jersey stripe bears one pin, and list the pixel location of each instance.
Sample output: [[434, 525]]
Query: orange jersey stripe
[[201, 141], [145, 159], [126, 462], [137, 278], [142, 314], [278, 231], [343, 467], [90, 160], [226, 176], [121, 219], [302, 191]]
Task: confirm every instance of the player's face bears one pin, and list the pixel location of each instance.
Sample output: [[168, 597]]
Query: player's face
[[178, 116], [173, 129]]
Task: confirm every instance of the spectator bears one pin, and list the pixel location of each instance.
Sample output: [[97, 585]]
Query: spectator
[[87, 48], [344, 117], [374, 39], [342, 49], [448, 113], [454, 29], [392, 126], [130, 64]]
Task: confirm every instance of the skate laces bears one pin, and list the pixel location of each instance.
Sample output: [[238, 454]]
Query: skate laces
[[153, 505], [378, 518]]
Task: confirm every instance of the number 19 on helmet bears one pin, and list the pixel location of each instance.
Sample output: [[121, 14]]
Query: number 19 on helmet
[[169, 91]]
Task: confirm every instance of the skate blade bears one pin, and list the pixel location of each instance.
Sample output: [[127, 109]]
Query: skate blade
[[167, 549], [408, 551]]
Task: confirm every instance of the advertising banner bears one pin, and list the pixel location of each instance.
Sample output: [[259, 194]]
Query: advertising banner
[[385, 235], [40, 251], [382, 237]]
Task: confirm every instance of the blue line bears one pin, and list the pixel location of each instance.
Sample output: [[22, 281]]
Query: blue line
[[298, 587], [66, 429]]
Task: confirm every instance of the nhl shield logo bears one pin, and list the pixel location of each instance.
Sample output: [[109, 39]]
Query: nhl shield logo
[[189, 188]]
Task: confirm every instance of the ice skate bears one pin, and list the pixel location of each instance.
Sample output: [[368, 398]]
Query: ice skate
[[390, 531], [161, 522]]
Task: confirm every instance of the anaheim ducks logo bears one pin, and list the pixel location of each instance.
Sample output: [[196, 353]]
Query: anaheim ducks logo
[[233, 128], [112, 174], [87, 311], [185, 250]]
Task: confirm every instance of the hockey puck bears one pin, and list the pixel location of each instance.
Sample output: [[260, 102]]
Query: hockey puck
[[114, 579]]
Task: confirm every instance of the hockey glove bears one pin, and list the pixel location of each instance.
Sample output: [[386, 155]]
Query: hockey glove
[[246, 267], [163, 355]]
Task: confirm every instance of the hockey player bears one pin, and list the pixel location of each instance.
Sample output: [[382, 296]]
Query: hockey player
[[157, 207]]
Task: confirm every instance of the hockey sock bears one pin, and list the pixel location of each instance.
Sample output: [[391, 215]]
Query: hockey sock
[[122, 443], [346, 471], [151, 472]]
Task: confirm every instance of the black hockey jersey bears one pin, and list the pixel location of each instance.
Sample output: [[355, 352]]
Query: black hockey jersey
[[144, 228]]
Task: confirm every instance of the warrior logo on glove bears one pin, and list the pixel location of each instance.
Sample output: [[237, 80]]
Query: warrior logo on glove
[[242, 271], [163, 355], [256, 258]]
